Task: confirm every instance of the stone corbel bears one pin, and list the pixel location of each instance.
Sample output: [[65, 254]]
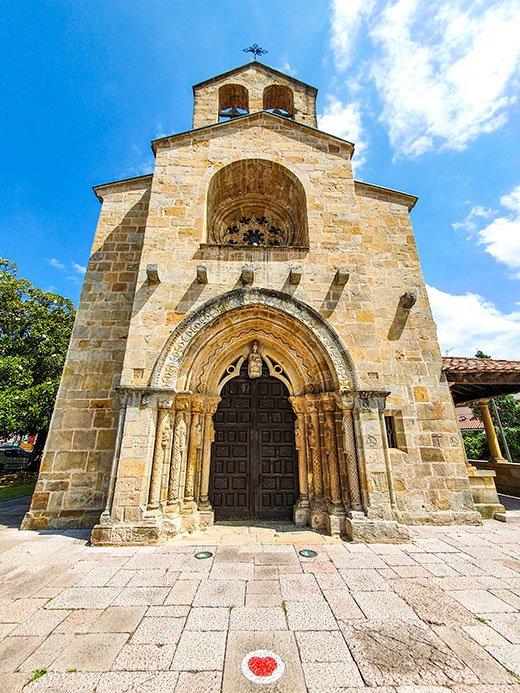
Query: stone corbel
[[247, 276], [341, 277], [408, 300], [202, 274], [295, 275], [152, 274]]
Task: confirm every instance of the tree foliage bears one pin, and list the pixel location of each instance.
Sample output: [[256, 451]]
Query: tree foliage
[[35, 328]]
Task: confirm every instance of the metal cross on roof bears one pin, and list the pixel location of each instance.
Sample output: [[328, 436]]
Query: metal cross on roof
[[256, 50]]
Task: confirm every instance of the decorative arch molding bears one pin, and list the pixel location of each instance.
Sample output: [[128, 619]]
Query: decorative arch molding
[[166, 371]]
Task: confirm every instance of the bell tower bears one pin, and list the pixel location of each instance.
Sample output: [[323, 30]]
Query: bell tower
[[252, 88]]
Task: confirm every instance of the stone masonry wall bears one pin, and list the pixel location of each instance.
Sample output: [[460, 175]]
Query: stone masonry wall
[[430, 466], [254, 79], [371, 237], [74, 473]]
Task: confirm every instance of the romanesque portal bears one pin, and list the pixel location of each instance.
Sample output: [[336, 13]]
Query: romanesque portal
[[253, 341]]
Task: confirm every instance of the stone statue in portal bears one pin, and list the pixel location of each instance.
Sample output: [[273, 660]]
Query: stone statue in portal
[[254, 362]]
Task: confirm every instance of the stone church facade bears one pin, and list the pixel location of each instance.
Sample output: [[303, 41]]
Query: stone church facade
[[253, 341]]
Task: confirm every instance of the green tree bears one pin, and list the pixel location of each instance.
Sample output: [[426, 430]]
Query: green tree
[[509, 412], [35, 329]]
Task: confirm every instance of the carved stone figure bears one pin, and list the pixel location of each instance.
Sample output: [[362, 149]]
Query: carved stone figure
[[179, 448], [166, 433], [254, 362]]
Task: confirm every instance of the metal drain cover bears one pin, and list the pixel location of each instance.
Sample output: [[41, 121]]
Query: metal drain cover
[[203, 554]]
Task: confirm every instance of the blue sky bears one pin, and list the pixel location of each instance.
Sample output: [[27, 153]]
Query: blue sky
[[427, 91]]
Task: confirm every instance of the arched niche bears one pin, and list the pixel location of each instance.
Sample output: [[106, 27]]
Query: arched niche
[[256, 202], [279, 99], [233, 101]]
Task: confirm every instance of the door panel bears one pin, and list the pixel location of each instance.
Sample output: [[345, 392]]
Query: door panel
[[254, 470]]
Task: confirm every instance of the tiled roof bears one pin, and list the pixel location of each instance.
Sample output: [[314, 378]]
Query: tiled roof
[[469, 423], [454, 364]]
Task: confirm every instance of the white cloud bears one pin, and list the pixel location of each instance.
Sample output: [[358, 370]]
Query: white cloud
[[347, 16], [501, 238], [80, 269], [142, 163], [288, 69], [54, 262], [469, 322], [344, 120], [471, 222], [444, 70]]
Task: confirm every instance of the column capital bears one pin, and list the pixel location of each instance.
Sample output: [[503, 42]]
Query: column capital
[[368, 400], [165, 402], [328, 401]]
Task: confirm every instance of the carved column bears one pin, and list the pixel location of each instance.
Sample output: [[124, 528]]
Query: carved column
[[328, 405], [162, 443], [313, 437], [180, 434], [195, 444], [318, 513], [349, 452], [211, 405], [301, 509]]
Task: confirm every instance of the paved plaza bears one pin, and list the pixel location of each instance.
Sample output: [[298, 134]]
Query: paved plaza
[[438, 614]]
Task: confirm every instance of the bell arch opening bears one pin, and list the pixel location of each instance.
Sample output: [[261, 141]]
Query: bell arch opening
[[256, 202], [279, 99], [233, 101]]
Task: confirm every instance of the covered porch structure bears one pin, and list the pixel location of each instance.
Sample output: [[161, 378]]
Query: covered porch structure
[[481, 379]]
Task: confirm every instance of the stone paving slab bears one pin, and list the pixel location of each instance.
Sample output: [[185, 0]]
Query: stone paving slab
[[283, 644], [439, 614]]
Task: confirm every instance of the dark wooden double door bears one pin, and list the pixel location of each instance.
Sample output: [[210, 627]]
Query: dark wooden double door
[[254, 469]]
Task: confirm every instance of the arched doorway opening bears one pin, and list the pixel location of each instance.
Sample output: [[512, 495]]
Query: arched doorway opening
[[254, 463]]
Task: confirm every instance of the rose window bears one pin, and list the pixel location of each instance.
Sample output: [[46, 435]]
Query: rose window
[[255, 230]]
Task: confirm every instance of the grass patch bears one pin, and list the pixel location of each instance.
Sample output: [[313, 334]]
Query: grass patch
[[481, 620], [231, 607], [284, 607], [71, 671], [37, 675], [16, 485]]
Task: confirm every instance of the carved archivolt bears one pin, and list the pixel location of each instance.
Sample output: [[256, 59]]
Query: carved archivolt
[[283, 313]]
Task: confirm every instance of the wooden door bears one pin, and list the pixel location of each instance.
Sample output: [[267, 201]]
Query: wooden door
[[254, 469]]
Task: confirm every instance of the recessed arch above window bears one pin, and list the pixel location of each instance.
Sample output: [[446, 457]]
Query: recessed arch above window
[[279, 99], [256, 202], [233, 101]]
